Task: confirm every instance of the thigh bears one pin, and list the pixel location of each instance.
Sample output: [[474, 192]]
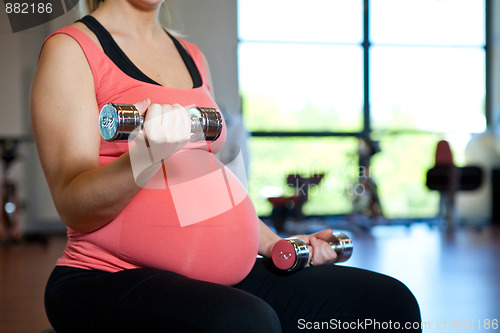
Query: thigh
[[333, 296], [150, 300]]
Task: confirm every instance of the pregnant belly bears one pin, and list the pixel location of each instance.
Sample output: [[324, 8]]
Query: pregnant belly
[[203, 226], [221, 249]]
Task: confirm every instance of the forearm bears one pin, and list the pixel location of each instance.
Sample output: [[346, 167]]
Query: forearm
[[267, 240], [96, 196]]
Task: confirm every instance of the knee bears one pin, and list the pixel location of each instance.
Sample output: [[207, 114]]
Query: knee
[[253, 316], [399, 301]]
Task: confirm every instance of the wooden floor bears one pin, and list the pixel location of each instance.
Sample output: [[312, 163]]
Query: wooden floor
[[24, 270], [455, 277]]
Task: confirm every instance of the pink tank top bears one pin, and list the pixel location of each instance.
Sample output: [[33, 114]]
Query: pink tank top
[[195, 219]]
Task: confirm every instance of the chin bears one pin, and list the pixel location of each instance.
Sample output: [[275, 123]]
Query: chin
[[147, 5]]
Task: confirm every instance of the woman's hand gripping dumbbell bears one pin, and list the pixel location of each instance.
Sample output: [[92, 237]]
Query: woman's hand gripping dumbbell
[[158, 131], [119, 121], [293, 254]]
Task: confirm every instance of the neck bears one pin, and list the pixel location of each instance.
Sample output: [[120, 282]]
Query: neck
[[123, 17]]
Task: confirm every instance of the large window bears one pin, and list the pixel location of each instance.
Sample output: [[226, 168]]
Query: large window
[[316, 75]]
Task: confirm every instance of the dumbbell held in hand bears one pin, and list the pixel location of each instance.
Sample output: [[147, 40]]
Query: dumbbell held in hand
[[118, 121], [292, 254]]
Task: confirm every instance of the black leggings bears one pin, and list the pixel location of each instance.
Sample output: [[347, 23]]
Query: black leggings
[[321, 298]]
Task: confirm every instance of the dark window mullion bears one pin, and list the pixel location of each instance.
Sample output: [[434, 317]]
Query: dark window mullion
[[366, 69], [488, 61], [305, 134]]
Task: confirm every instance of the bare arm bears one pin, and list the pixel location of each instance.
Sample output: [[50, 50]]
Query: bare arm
[[64, 118], [267, 240], [321, 252]]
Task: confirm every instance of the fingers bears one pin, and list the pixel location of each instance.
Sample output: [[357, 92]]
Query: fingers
[[322, 253], [152, 123], [143, 105], [167, 125], [166, 130], [177, 120], [325, 235]]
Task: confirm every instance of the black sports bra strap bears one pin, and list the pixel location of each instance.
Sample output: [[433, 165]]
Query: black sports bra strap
[[116, 54], [188, 60]]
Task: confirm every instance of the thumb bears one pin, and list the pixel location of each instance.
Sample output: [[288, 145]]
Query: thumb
[[143, 105], [325, 235]]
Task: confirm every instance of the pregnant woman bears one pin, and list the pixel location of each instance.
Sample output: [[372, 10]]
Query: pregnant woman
[[162, 237]]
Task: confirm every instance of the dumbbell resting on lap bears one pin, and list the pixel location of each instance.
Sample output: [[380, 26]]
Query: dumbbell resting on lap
[[292, 254], [118, 122]]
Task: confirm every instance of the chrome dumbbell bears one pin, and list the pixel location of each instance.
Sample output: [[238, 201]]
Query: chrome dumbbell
[[292, 254], [118, 122]]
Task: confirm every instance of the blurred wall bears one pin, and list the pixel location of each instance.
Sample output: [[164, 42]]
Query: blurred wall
[[18, 62]]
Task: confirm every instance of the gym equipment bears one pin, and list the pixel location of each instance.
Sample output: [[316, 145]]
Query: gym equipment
[[9, 194], [118, 121], [292, 254]]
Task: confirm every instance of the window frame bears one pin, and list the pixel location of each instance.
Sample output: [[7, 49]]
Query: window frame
[[367, 131]]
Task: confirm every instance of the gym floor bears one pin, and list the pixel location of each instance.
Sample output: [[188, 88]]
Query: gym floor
[[455, 276]]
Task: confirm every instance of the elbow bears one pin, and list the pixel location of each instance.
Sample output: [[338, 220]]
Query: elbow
[[83, 222], [79, 227]]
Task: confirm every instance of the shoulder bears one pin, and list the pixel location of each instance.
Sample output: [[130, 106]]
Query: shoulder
[[60, 45], [61, 61], [200, 60], [68, 48], [195, 53], [193, 50], [59, 41], [70, 40]]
